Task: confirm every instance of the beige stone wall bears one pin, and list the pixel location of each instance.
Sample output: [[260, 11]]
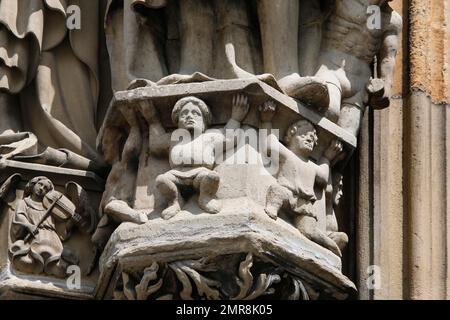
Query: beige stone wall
[[403, 218]]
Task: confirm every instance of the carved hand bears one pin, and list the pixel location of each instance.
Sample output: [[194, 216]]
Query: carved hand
[[379, 93], [240, 107], [267, 111], [148, 110], [333, 150]]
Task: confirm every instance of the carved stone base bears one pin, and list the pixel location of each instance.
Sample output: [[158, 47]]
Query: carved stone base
[[237, 254]]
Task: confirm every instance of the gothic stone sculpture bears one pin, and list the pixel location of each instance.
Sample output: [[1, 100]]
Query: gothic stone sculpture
[[192, 162], [348, 49], [298, 175], [42, 223]]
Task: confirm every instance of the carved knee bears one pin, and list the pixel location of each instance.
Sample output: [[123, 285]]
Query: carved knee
[[163, 180]]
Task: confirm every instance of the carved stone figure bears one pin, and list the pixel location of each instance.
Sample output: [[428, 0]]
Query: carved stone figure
[[116, 204], [313, 67], [55, 80], [298, 175], [348, 49], [192, 161], [39, 243], [333, 196]]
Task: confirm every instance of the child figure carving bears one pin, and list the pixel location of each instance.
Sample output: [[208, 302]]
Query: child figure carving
[[192, 160], [298, 175]]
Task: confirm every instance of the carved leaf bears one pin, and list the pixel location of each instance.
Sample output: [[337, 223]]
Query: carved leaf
[[143, 290], [300, 291], [245, 280], [263, 285], [186, 293], [128, 287], [205, 287]]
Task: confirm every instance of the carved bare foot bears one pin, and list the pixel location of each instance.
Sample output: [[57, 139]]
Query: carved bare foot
[[172, 210], [340, 238], [182, 77], [209, 204], [272, 212], [138, 218], [311, 90]]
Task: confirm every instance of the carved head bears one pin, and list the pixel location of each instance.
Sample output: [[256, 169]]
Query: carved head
[[192, 114], [301, 137], [337, 187], [38, 187]]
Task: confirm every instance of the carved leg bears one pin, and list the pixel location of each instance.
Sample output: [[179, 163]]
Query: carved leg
[[167, 186], [277, 197], [351, 114], [208, 184], [197, 31], [308, 227], [278, 21], [340, 238], [334, 89], [120, 212]]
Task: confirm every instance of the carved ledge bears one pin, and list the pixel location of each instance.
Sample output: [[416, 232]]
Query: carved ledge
[[238, 253]]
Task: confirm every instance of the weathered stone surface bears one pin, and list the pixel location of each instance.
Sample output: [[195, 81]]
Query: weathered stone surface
[[18, 280], [277, 87], [239, 229]]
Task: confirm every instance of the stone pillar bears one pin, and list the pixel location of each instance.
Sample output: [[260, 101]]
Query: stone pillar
[[408, 145]]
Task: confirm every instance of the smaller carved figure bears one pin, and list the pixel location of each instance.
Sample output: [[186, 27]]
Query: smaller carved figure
[[116, 205], [38, 233], [193, 159], [298, 175], [333, 196]]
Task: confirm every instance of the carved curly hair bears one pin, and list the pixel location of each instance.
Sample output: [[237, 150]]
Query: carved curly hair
[[295, 129], [30, 185], [198, 102]]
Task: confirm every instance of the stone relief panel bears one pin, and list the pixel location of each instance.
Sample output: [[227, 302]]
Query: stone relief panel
[[228, 109], [48, 225]]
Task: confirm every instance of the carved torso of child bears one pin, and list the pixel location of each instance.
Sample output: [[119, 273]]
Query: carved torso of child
[[198, 151], [297, 175]]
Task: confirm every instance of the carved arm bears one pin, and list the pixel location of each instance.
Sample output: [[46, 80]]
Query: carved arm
[[158, 138]]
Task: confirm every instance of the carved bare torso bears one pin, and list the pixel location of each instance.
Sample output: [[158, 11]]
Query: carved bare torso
[[297, 175], [196, 152], [347, 32]]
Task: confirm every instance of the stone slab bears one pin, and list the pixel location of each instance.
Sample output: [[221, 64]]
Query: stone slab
[[238, 228], [255, 89]]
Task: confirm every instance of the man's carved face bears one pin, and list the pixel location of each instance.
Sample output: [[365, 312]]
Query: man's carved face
[[306, 138], [337, 191], [191, 118]]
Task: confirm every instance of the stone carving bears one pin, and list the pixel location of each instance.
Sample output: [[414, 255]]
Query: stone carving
[[116, 206], [56, 82], [312, 66], [344, 61], [298, 175], [42, 222], [192, 161], [215, 278], [333, 196]]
